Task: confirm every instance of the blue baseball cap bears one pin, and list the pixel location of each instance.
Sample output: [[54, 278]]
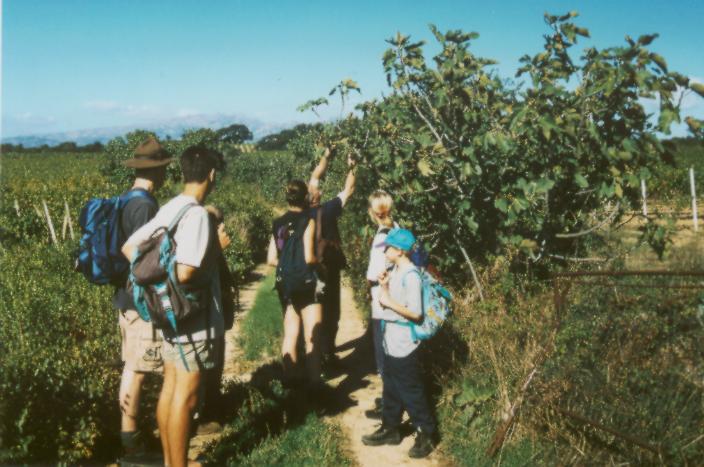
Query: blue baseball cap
[[400, 238]]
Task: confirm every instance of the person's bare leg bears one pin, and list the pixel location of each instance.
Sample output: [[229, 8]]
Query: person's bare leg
[[163, 407], [292, 326], [312, 329], [183, 402], [130, 392]]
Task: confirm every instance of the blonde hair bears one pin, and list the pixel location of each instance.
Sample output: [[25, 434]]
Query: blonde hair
[[381, 201]]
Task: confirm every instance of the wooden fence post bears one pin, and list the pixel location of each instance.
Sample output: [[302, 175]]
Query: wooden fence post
[[64, 227], [68, 218], [645, 197], [49, 223], [695, 217], [17, 208]]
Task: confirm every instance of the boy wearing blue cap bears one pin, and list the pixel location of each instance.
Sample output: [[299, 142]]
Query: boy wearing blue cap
[[401, 292]]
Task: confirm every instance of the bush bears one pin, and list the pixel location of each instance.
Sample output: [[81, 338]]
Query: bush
[[626, 358], [58, 340]]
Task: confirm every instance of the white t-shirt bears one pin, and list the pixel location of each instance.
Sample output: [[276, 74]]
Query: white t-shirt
[[377, 265], [405, 287], [192, 236]]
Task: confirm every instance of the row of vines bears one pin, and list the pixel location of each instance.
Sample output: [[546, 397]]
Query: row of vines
[[59, 374]]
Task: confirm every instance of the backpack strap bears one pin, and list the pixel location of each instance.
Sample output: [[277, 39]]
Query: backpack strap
[[135, 193], [408, 323], [122, 201], [179, 215]]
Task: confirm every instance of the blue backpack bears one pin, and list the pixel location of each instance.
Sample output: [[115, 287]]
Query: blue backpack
[[436, 307], [99, 257]]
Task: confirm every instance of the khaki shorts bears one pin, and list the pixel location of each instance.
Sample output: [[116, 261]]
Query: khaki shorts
[[199, 355], [141, 343]]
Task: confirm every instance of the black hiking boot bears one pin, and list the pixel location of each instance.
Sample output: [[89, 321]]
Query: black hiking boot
[[374, 414], [423, 445], [384, 435]]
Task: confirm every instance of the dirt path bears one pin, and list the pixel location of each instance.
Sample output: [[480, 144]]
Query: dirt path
[[362, 385], [233, 353], [358, 384]]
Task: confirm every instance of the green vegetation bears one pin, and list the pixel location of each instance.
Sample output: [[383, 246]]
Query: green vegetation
[[59, 344], [261, 330], [59, 336], [314, 443], [267, 424], [671, 180], [511, 178], [480, 164]]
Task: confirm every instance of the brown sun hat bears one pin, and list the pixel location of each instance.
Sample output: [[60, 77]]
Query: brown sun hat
[[149, 154]]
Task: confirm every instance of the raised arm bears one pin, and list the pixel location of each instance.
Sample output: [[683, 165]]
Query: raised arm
[[349, 181], [319, 170]]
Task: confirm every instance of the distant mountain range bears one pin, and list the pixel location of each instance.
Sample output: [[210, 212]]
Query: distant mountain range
[[172, 128]]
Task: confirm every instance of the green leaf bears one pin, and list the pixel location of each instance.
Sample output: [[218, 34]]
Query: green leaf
[[694, 124], [501, 204], [618, 190], [647, 39], [667, 116], [697, 87], [660, 61], [584, 32], [581, 181], [424, 168], [544, 185]]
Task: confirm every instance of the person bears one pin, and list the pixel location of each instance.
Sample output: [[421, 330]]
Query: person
[[403, 388], [301, 306], [329, 250], [380, 211], [211, 404], [194, 349], [141, 344]]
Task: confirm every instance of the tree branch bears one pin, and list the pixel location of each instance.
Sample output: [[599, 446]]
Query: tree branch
[[582, 233]]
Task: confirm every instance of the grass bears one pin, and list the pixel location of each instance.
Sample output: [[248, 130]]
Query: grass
[[313, 443], [262, 328]]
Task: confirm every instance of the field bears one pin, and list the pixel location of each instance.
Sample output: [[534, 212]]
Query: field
[[64, 344]]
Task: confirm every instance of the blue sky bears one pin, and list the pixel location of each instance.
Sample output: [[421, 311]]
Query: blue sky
[[70, 64]]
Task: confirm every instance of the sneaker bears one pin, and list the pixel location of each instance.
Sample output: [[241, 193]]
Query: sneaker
[[422, 446], [384, 435], [374, 414]]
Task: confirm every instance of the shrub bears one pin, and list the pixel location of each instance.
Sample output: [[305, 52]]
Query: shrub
[[58, 340]]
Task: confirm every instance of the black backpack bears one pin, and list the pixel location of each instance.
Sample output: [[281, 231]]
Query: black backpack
[[293, 274]]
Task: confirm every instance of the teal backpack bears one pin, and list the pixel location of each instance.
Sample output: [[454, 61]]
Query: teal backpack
[[157, 294], [436, 307]]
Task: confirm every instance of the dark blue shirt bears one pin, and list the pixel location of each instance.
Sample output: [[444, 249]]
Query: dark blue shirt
[[330, 213]]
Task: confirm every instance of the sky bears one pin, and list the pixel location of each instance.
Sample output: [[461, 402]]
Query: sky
[[80, 64]]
